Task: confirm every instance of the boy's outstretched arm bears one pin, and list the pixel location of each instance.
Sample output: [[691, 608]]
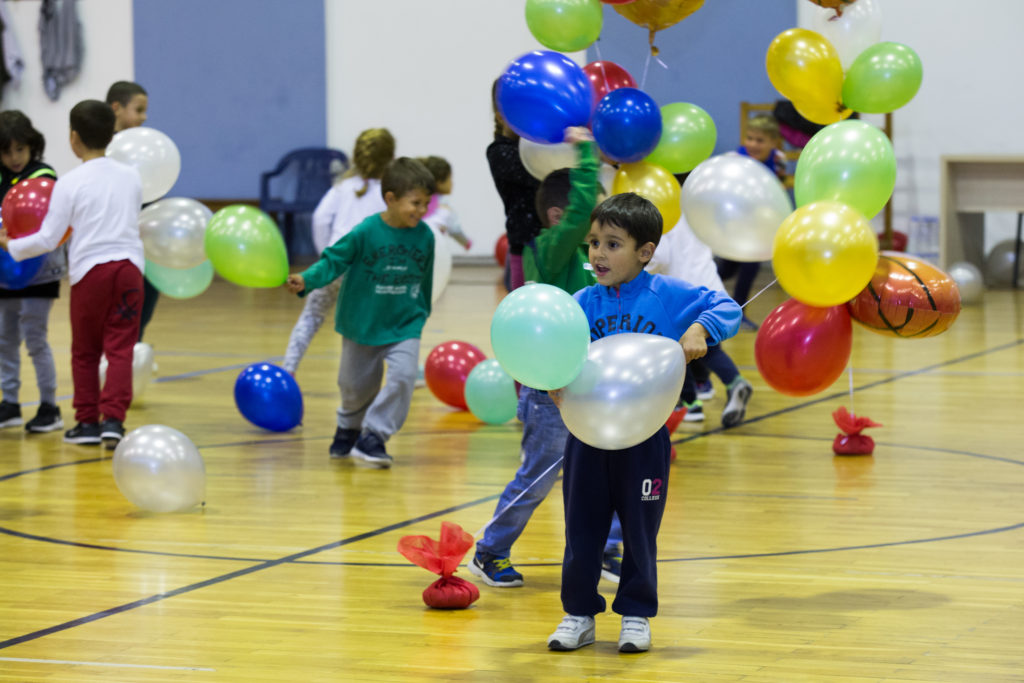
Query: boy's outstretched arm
[[557, 243]]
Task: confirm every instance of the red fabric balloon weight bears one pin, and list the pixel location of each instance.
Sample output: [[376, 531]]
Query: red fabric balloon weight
[[447, 368], [606, 76], [25, 206], [907, 297], [801, 350], [501, 250], [442, 557]]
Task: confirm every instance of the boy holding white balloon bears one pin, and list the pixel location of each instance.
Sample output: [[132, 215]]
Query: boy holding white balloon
[[100, 201], [632, 482]]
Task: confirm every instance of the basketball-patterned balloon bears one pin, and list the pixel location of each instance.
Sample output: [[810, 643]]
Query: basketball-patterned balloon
[[907, 297]]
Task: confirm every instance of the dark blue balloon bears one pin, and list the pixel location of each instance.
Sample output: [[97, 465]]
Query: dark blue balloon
[[542, 93], [269, 397], [17, 274], [627, 124]]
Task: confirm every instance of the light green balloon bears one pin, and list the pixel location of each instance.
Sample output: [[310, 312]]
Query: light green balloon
[[688, 137], [245, 247], [882, 79], [540, 336], [851, 162], [180, 283], [564, 25], [491, 393]]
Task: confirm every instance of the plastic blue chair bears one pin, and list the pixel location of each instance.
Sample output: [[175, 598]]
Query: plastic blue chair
[[293, 189]]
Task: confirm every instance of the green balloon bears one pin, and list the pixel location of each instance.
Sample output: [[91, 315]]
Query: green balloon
[[688, 137], [851, 162], [245, 247], [180, 283], [491, 393], [882, 79], [564, 25], [540, 336]]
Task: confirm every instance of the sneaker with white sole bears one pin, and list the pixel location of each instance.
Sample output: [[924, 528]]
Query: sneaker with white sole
[[573, 633], [10, 414], [736, 406], [369, 448], [344, 440], [694, 412], [47, 419], [84, 434], [635, 635], [111, 432], [705, 390], [495, 571]]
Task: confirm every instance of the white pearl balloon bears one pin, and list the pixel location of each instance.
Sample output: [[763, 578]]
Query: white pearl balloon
[[159, 469], [540, 159], [173, 230], [154, 155], [968, 280], [855, 30], [143, 367]]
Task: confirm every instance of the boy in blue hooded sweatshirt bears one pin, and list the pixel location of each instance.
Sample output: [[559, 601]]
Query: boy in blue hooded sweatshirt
[[633, 482]]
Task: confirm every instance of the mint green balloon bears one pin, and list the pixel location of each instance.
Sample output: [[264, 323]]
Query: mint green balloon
[[540, 336], [491, 393], [851, 162], [245, 247], [564, 25], [180, 283], [882, 79], [688, 137]]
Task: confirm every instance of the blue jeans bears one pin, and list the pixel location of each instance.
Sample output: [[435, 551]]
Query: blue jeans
[[544, 437]]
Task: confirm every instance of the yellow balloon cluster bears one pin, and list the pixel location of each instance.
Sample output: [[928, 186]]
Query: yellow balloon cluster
[[653, 183], [805, 68]]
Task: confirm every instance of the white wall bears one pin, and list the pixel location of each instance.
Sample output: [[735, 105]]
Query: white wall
[[108, 57], [424, 71], [970, 101]]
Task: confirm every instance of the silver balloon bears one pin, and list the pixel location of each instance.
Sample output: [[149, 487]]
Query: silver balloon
[[735, 205], [969, 280], [173, 231], [999, 264], [540, 159], [628, 387], [154, 155], [143, 367], [159, 469]]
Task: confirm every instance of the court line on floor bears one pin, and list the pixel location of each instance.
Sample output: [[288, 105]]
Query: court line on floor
[[102, 664]]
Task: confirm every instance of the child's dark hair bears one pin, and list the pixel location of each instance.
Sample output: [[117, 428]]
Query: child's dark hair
[[94, 122], [554, 192], [123, 92], [634, 214], [16, 127], [438, 167], [403, 175]]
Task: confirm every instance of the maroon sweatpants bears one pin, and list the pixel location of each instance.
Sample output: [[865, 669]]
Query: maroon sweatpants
[[105, 307]]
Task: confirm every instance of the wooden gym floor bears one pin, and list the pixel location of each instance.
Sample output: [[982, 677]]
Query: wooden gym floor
[[778, 561]]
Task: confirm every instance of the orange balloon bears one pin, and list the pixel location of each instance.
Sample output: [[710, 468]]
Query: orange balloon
[[653, 183], [805, 68], [655, 15]]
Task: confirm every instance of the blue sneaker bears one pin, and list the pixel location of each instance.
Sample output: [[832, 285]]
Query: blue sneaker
[[495, 571]]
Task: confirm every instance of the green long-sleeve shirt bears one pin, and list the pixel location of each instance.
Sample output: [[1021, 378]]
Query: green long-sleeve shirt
[[389, 273], [559, 256]]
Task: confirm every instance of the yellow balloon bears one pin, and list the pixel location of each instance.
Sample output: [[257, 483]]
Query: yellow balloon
[[824, 254], [653, 183], [823, 116], [805, 68]]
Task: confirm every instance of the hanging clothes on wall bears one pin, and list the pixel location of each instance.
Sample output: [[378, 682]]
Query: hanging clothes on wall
[[60, 37], [12, 60]]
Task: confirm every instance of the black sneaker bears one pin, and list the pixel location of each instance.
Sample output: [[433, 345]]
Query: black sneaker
[[344, 440], [495, 571], [611, 565], [10, 414], [694, 412], [111, 432], [370, 449], [47, 419], [84, 434]]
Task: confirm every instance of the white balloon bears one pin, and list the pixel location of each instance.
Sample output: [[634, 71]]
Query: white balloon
[[159, 469], [735, 205], [858, 28], [968, 280], [143, 367], [173, 230], [541, 159], [442, 264], [1000, 264], [154, 155], [628, 387], [606, 176]]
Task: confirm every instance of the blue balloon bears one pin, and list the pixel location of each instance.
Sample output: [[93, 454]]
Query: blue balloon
[[542, 93], [269, 397], [17, 274], [627, 124]]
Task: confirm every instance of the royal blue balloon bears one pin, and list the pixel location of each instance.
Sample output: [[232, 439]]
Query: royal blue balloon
[[542, 93], [269, 397], [627, 124], [17, 274]]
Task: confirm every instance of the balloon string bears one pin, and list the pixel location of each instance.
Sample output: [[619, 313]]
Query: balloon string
[[600, 60], [765, 289], [851, 390], [643, 79], [514, 500]]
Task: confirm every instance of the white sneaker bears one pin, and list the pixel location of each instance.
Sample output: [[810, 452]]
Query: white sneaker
[[635, 635], [736, 407], [573, 633], [694, 413]]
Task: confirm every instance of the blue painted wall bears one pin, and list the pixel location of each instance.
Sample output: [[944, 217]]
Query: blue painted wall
[[715, 57], [235, 83]]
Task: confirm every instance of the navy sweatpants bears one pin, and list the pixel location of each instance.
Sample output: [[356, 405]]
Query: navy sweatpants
[[632, 482]]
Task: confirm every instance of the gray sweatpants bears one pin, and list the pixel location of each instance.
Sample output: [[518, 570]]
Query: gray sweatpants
[[26, 320], [365, 404], [319, 303]]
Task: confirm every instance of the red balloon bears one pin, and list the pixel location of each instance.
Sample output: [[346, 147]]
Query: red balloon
[[607, 76], [801, 350], [447, 368], [25, 206], [501, 250]]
